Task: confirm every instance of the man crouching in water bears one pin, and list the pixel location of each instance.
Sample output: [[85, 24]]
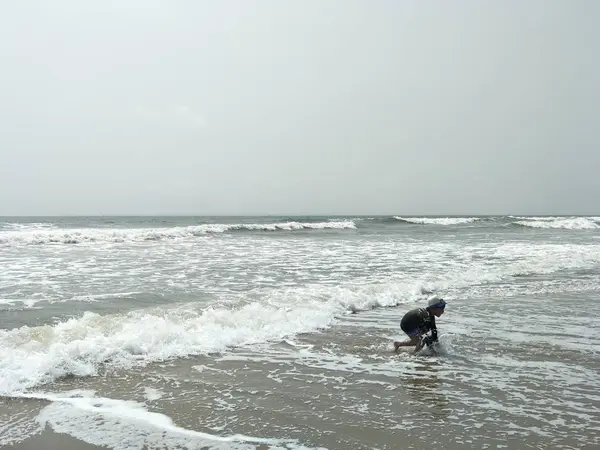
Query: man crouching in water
[[417, 322]]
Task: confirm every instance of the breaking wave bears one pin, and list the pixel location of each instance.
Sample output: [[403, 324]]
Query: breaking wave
[[437, 220], [566, 223], [81, 235], [32, 356]]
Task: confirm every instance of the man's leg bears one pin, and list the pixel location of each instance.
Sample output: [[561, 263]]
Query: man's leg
[[412, 341]]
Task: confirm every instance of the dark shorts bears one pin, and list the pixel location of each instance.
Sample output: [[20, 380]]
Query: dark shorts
[[411, 324]]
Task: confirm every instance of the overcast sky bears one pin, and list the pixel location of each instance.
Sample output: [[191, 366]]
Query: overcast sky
[[306, 106]]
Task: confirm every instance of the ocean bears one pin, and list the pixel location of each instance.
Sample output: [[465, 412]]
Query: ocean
[[276, 333]]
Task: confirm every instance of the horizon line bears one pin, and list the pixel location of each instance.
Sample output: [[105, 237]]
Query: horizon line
[[305, 215]]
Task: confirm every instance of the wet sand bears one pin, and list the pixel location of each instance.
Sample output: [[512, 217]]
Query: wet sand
[[49, 440]]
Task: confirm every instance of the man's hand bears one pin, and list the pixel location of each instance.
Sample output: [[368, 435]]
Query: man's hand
[[419, 346]]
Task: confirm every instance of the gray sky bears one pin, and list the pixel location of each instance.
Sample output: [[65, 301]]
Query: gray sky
[[312, 106]]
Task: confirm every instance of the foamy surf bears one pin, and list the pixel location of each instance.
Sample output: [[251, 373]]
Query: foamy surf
[[18, 303], [437, 220], [26, 226], [126, 425], [32, 356], [116, 235], [572, 223], [152, 394]]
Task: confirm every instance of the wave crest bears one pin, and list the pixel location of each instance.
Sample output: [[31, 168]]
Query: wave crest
[[570, 223], [81, 235], [437, 220], [82, 346]]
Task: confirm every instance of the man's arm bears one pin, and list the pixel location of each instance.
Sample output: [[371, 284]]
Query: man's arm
[[428, 340], [434, 336], [419, 345]]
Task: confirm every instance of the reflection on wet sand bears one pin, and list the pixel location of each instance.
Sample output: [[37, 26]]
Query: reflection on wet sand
[[424, 385]]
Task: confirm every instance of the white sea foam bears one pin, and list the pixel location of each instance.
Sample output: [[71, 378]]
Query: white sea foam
[[81, 235], [105, 296], [537, 218], [567, 223], [126, 425], [26, 226], [30, 356], [18, 302], [152, 394], [438, 220], [17, 426]]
